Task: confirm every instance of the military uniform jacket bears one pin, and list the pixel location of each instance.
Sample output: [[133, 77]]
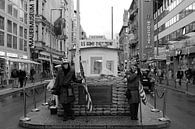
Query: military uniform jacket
[[133, 86], [62, 86]]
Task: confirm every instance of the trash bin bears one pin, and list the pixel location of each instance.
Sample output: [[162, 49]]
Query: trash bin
[[53, 110]]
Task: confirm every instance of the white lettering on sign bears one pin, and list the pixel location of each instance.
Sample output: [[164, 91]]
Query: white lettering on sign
[[149, 32], [96, 43], [31, 22], [12, 55]]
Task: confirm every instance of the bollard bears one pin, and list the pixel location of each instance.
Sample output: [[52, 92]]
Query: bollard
[[164, 108], [45, 97], [25, 118], [141, 117], [35, 109], [154, 109]]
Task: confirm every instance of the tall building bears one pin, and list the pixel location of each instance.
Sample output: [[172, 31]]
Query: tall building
[[51, 22], [124, 42], [14, 37], [136, 34], [174, 32]]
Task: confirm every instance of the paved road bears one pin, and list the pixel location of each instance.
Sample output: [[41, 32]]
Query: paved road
[[11, 109], [180, 109]]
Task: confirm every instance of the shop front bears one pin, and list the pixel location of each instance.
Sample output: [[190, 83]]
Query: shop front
[[9, 61]]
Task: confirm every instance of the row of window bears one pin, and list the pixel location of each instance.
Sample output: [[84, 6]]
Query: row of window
[[181, 15], [16, 8], [12, 41], [185, 12], [178, 34], [167, 7], [16, 35], [12, 28]]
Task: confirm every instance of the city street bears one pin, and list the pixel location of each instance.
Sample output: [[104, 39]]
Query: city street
[[11, 109], [180, 109]]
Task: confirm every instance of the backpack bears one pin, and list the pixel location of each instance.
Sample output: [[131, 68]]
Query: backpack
[[14, 73]]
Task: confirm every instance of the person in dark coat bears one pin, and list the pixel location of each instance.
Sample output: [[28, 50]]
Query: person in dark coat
[[32, 73], [188, 74], [133, 90], [21, 77], [64, 90], [180, 75]]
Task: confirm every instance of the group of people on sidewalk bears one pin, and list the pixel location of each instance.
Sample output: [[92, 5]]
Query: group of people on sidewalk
[[21, 76]]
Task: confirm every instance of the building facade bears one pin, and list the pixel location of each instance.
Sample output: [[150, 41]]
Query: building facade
[[46, 40], [174, 31], [14, 37], [136, 34]]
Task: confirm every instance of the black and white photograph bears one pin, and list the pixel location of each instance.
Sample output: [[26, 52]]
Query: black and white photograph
[[97, 64]]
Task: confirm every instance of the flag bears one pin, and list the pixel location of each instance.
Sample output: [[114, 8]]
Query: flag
[[142, 94], [87, 95], [59, 24]]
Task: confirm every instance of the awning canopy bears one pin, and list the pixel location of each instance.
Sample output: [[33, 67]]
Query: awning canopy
[[20, 60]]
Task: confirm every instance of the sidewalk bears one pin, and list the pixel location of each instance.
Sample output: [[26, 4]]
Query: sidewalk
[[44, 120], [190, 90]]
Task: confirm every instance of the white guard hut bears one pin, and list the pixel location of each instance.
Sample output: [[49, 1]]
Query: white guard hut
[[99, 56]]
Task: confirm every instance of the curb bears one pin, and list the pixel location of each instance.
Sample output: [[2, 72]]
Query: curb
[[94, 122], [41, 126], [29, 125], [178, 90]]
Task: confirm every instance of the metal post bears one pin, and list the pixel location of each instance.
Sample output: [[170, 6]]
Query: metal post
[[175, 83], [140, 111], [154, 109], [164, 108], [35, 109], [25, 118], [187, 86], [45, 97]]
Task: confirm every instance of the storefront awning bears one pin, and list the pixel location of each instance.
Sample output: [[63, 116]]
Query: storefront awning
[[20, 60]]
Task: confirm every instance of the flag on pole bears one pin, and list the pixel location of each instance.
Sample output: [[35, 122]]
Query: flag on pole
[[142, 94], [87, 95]]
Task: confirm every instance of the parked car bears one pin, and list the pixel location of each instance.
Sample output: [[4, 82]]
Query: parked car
[[145, 79]]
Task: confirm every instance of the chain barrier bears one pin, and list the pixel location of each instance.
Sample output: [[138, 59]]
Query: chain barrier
[[35, 109], [163, 118], [25, 118], [154, 109], [45, 96], [160, 96]]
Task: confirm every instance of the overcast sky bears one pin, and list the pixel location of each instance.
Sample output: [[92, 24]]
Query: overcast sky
[[95, 16]]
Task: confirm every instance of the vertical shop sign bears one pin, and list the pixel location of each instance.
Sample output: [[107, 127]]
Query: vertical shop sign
[[31, 22]]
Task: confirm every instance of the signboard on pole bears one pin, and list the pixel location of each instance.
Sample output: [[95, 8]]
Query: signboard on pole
[[31, 22]]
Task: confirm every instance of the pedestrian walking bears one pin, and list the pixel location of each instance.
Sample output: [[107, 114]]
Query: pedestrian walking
[[188, 74], [64, 89], [132, 93], [180, 75], [21, 77], [15, 75], [32, 73]]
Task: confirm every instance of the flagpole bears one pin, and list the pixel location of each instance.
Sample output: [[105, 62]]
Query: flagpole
[[77, 54]]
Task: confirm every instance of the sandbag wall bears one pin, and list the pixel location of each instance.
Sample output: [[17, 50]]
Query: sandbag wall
[[118, 105]]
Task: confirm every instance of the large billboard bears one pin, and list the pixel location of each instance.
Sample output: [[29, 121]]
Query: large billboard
[[146, 29]]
